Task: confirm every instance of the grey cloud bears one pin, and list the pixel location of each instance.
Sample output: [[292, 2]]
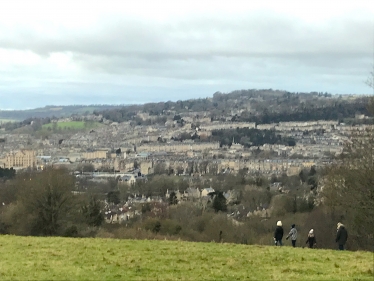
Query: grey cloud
[[124, 58], [200, 38]]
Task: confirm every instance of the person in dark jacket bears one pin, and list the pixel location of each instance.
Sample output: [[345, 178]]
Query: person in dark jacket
[[278, 234], [341, 235], [311, 240], [293, 235]]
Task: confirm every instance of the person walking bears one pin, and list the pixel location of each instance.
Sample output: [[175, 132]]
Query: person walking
[[293, 235], [341, 236], [311, 240], [278, 234]]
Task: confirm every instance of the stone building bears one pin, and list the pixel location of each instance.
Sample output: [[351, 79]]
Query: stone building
[[98, 154], [178, 147], [20, 159]]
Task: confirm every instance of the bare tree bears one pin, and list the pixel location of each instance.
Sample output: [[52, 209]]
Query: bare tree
[[348, 189], [47, 196], [203, 165], [370, 79], [370, 83]]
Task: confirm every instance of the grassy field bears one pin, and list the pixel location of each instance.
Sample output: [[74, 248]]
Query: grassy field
[[75, 125], [32, 258], [4, 120]]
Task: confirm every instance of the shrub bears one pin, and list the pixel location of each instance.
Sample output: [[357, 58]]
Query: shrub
[[153, 225], [71, 231], [199, 223], [170, 227], [281, 204]]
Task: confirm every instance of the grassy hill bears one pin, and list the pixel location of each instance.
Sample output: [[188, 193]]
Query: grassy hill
[[75, 125], [35, 258], [49, 111]]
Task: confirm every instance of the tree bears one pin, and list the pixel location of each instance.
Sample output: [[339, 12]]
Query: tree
[[160, 184], [203, 166], [87, 167], [7, 173], [370, 83], [370, 79], [213, 168], [219, 202], [312, 171], [190, 167], [91, 211], [179, 170], [348, 190], [173, 198], [312, 182], [47, 197], [303, 175], [159, 168], [113, 197], [348, 193]]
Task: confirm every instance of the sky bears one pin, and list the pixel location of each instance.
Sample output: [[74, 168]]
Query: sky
[[130, 52]]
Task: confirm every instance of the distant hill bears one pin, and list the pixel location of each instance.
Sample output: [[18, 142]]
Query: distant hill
[[50, 111], [260, 106]]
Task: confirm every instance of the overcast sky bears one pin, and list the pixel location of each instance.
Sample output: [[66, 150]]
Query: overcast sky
[[123, 52]]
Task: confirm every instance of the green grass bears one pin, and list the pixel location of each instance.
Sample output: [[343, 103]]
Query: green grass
[[35, 258], [5, 120], [76, 125]]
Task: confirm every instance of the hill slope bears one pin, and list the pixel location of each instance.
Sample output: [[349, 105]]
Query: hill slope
[[49, 111], [35, 258]]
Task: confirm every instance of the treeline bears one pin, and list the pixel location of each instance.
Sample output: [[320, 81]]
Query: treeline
[[7, 173], [267, 106], [338, 111], [42, 204], [242, 209], [250, 137]]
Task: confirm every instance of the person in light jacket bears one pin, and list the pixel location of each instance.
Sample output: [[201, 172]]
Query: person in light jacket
[[293, 235], [311, 240], [278, 234], [341, 236]]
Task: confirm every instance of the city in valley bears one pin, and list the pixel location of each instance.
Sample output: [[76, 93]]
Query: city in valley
[[186, 140], [247, 154]]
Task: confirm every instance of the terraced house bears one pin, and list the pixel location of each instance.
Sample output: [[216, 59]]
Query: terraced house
[[19, 159]]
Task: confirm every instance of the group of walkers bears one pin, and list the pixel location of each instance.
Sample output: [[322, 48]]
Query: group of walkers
[[341, 236]]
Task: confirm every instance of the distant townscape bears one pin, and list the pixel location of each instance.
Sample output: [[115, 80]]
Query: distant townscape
[[247, 147], [178, 138]]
